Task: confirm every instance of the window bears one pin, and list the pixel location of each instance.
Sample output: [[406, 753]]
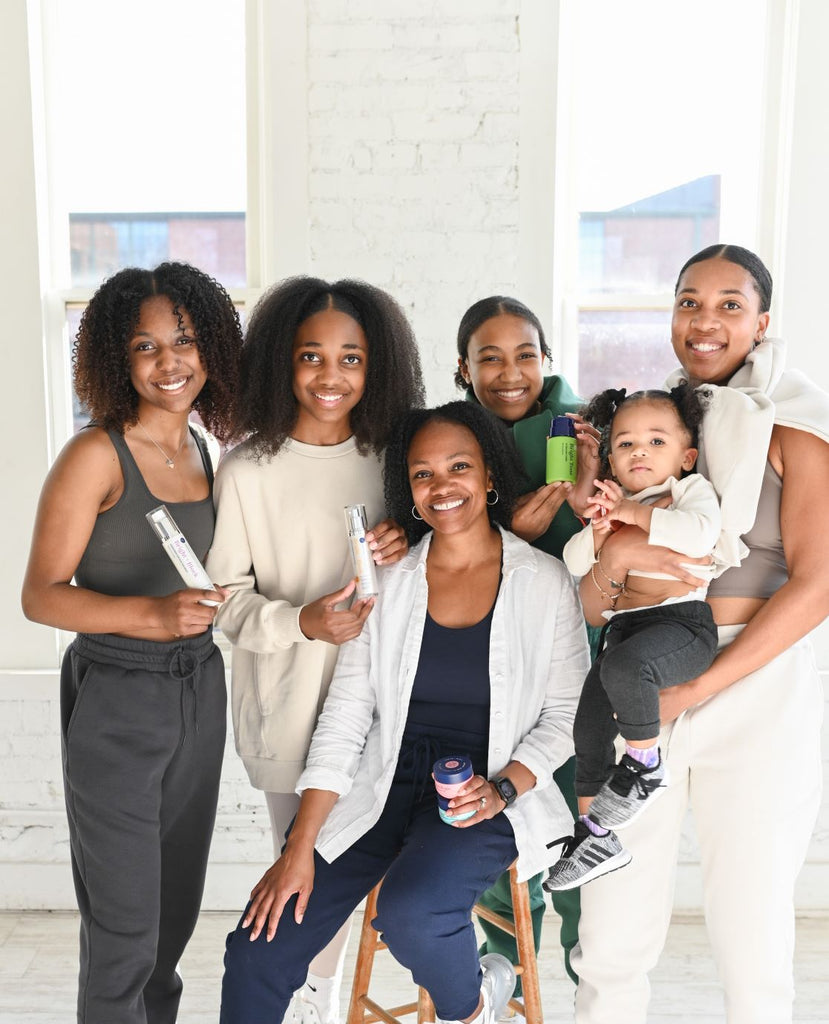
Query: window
[[156, 169], [666, 130]]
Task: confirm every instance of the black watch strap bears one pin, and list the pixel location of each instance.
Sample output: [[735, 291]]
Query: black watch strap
[[506, 790]]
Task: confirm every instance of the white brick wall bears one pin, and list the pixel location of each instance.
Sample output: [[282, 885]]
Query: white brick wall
[[413, 146]]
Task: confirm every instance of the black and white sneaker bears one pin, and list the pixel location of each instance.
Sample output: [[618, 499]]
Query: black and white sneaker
[[585, 857], [630, 790]]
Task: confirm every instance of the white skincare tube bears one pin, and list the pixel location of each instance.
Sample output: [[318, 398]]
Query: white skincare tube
[[181, 554], [361, 558]]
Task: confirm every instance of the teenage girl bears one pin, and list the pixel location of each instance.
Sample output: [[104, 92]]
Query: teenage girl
[[327, 370], [501, 354], [660, 632], [142, 684]]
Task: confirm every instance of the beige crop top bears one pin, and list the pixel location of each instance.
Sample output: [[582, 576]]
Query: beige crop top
[[763, 571]]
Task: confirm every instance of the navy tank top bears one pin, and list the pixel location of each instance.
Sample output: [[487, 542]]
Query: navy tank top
[[449, 704], [124, 557]]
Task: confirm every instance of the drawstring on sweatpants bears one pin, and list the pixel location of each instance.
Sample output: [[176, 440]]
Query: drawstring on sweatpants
[[183, 667], [417, 759]]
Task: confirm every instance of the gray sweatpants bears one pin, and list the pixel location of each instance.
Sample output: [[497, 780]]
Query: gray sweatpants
[[143, 730]]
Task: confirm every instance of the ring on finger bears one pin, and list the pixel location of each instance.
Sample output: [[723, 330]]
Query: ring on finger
[[483, 802]]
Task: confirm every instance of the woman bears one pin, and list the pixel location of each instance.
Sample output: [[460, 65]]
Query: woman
[[327, 370], [142, 685], [743, 748], [501, 355], [475, 646]]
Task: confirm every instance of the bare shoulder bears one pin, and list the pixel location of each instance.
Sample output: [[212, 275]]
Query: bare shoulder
[[87, 462], [795, 452]]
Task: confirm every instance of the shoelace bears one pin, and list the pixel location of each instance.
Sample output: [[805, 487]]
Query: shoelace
[[570, 843], [629, 774]]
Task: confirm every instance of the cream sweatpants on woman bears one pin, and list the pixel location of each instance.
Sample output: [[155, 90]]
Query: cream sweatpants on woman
[[748, 763]]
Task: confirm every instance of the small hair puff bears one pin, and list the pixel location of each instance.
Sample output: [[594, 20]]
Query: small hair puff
[[690, 404]]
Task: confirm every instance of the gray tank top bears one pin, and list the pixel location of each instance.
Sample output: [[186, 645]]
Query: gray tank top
[[763, 571], [124, 557]]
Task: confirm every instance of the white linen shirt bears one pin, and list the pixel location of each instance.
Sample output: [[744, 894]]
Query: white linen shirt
[[538, 659]]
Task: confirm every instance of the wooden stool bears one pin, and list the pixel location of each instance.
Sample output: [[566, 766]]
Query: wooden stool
[[364, 1010]]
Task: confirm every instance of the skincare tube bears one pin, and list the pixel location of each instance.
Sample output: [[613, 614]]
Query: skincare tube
[[181, 554], [561, 451], [361, 557]]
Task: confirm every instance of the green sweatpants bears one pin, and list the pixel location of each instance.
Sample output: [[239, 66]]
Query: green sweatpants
[[566, 904]]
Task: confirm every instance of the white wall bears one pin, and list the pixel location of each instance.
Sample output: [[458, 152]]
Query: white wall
[[417, 152]]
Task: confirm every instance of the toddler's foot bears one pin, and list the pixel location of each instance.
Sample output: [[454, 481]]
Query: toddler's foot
[[586, 856], [630, 790]]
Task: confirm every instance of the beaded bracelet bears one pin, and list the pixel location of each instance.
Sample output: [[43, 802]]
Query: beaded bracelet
[[613, 598], [619, 586]]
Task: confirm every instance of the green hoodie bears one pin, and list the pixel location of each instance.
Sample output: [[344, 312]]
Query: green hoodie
[[530, 434]]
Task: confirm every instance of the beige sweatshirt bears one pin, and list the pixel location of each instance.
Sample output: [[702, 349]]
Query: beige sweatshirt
[[280, 543]]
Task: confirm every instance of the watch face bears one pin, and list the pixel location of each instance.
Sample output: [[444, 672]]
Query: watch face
[[506, 789]]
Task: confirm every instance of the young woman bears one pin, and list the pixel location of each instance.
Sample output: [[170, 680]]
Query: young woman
[[327, 370], [742, 728], [476, 644], [142, 685], [501, 353]]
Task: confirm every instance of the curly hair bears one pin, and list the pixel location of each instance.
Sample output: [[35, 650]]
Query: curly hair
[[394, 384], [688, 402], [499, 451], [100, 355], [486, 309]]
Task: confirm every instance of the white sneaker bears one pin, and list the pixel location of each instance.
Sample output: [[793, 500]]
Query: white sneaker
[[497, 987], [302, 1010], [508, 1016]]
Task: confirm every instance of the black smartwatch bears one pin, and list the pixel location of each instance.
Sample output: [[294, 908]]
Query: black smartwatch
[[505, 789]]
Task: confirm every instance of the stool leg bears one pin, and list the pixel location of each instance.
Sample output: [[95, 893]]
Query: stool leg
[[365, 960], [525, 941], [425, 1007]]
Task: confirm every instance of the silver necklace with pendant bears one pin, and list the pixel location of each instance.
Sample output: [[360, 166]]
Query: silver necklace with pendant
[[169, 459]]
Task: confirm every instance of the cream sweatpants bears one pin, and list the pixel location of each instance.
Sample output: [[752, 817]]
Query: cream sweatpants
[[748, 763]]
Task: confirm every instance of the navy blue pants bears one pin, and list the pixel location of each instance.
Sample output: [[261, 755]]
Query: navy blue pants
[[434, 873], [645, 651], [143, 737]]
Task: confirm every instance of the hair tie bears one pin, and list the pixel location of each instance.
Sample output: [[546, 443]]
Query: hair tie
[[617, 396]]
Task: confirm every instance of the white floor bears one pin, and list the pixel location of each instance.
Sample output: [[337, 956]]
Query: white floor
[[38, 966]]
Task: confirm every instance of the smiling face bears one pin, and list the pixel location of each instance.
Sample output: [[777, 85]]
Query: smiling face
[[716, 320], [329, 364], [648, 444], [448, 477], [504, 365], [166, 368]]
